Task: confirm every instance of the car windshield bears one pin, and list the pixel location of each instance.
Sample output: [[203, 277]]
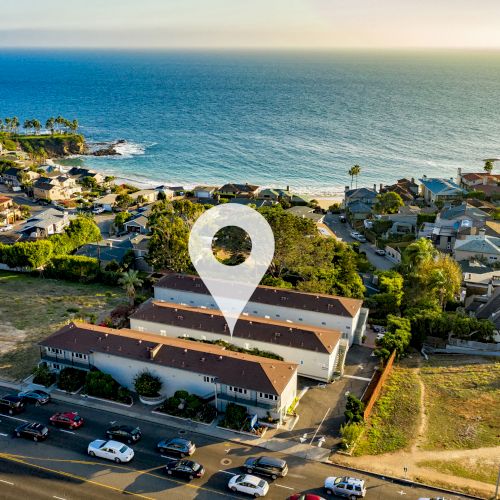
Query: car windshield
[[77, 418], [135, 431], [123, 449], [337, 480], [262, 483], [196, 467]]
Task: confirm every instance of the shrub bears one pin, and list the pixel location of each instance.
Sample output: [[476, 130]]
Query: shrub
[[235, 416], [102, 385], [148, 385], [71, 379], [350, 432], [43, 376], [354, 409], [74, 268]]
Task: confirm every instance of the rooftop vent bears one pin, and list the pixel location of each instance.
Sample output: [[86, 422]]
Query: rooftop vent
[[220, 358], [185, 351]]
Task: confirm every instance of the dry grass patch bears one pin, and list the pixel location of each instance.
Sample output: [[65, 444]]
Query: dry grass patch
[[462, 399], [32, 308], [394, 420], [482, 470]]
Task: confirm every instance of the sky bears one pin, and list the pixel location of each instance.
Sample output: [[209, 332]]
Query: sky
[[313, 24]]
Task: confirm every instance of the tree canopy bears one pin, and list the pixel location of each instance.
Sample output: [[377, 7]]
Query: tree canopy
[[388, 203]]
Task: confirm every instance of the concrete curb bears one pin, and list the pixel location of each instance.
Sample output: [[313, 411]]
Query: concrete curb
[[403, 482]]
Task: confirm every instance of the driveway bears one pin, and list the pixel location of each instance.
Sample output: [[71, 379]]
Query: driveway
[[321, 409], [342, 230]]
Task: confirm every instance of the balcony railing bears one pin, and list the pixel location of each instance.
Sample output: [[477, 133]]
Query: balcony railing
[[271, 405], [64, 361]]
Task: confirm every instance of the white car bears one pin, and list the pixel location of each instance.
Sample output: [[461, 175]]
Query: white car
[[380, 251], [8, 227], [251, 485], [354, 234], [110, 450], [98, 210], [349, 487], [380, 336], [361, 238]]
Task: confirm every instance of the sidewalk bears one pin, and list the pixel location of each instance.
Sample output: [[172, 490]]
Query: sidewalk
[[144, 412]]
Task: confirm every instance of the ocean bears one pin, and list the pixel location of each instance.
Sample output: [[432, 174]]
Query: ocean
[[300, 119]]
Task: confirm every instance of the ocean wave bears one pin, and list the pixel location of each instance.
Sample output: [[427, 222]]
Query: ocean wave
[[128, 149]]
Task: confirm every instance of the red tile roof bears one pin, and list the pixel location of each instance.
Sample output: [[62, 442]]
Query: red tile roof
[[274, 332], [328, 304], [230, 368]]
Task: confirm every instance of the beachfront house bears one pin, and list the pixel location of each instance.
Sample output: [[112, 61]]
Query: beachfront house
[[315, 350], [275, 194], [305, 212], [205, 192], [239, 190], [262, 385], [297, 308], [485, 182], [145, 196], [440, 190]]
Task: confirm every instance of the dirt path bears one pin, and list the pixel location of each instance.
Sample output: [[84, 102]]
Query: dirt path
[[422, 427]]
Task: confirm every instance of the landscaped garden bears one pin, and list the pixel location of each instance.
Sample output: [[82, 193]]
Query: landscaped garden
[[237, 418], [185, 405], [104, 386]]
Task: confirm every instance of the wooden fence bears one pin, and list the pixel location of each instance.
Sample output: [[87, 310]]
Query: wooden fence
[[373, 390]]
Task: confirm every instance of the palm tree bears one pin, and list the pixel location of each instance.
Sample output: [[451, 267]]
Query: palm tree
[[129, 281], [488, 166], [8, 125], [2, 126], [15, 123], [28, 124], [354, 171], [36, 125], [73, 125], [60, 121], [50, 124], [417, 252], [439, 284]]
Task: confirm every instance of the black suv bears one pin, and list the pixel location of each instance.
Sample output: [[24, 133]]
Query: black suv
[[11, 404], [268, 466], [35, 431], [124, 433]]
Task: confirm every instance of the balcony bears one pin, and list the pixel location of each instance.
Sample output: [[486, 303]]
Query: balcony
[[271, 405], [66, 362]]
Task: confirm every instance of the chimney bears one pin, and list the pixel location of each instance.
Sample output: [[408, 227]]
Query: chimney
[[381, 187], [482, 233], [375, 187]]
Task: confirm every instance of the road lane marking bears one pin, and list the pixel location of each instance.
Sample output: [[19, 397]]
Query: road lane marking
[[365, 379], [227, 472], [168, 458], [67, 432], [319, 426], [16, 418], [6, 482], [281, 486], [296, 476], [58, 498], [3, 434]]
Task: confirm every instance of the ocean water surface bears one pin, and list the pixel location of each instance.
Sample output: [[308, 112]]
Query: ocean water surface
[[282, 118]]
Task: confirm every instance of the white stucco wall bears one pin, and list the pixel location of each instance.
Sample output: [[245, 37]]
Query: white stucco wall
[[316, 365], [344, 324]]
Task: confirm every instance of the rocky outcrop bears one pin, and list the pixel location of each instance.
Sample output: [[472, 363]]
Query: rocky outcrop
[[108, 150], [53, 146]]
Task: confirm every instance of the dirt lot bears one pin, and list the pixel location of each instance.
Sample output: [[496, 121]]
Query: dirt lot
[[31, 308]]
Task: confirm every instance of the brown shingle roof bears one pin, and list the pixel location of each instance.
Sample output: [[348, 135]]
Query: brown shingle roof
[[329, 304], [231, 368], [278, 333]]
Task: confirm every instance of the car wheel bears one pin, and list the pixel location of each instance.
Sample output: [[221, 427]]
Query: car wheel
[[35, 439], [191, 477], [249, 471], [183, 455], [91, 453], [18, 434], [353, 497], [11, 411], [256, 495], [169, 472], [329, 492], [162, 450], [233, 488], [118, 461], [129, 441], [274, 476]]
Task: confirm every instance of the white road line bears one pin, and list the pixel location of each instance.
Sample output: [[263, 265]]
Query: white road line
[[15, 418], [168, 458], [227, 472], [4, 435], [6, 482], [67, 432], [296, 476], [58, 498], [319, 426], [366, 379], [281, 486]]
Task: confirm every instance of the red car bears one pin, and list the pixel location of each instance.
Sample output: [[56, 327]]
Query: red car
[[305, 496], [70, 419]]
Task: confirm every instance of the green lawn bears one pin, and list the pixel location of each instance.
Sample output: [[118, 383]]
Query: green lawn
[[462, 399], [31, 308], [479, 470], [394, 420]]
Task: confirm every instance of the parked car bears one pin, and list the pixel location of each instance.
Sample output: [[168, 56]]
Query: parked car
[[37, 396], [349, 487], [380, 251], [354, 234], [11, 404], [124, 433], [342, 219], [378, 329], [177, 446], [98, 210], [32, 430], [8, 227], [251, 485], [110, 450], [305, 496], [269, 466], [69, 419], [184, 468], [380, 336], [361, 238]]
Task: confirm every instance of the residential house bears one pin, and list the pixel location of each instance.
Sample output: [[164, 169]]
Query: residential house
[[306, 213], [275, 194], [146, 195], [440, 190], [264, 386], [205, 192], [106, 251], [140, 246], [251, 201], [46, 223], [406, 188], [486, 182], [5, 203], [402, 223], [106, 202], [298, 199], [324, 311], [358, 211], [79, 173], [315, 350], [8, 214], [492, 228], [486, 248], [138, 224], [490, 310], [167, 191], [240, 190], [11, 176], [55, 188], [477, 277], [464, 211], [364, 195]]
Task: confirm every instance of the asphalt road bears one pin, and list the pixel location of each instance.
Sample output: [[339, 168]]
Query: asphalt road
[[342, 231], [60, 468]]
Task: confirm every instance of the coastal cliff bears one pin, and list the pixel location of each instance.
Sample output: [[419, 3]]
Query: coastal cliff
[[53, 146]]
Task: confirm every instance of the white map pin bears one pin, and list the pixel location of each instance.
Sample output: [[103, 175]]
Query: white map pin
[[231, 286]]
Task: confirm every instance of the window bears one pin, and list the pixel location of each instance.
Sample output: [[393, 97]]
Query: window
[[237, 389], [79, 356], [323, 322], [56, 366], [54, 350], [163, 333], [264, 395], [140, 328], [277, 315], [211, 380]]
